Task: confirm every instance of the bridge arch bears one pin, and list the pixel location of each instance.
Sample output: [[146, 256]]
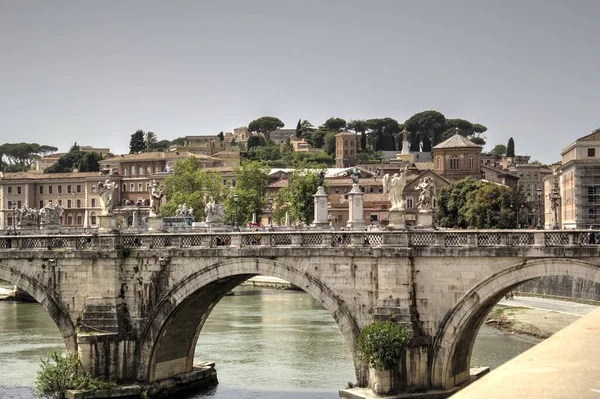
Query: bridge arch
[[58, 313], [168, 342], [456, 335]]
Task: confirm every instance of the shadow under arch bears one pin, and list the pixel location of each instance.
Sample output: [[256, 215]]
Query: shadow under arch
[[168, 341], [58, 313], [456, 335]]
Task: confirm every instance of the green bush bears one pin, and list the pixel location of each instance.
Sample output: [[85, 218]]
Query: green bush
[[381, 343], [60, 373]]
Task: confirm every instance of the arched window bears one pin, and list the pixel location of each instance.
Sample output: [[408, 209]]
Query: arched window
[[471, 163], [439, 163], [133, 171], [454, 163], [93, 220]]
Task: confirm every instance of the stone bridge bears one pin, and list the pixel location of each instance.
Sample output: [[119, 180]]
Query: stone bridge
[[134, 305]]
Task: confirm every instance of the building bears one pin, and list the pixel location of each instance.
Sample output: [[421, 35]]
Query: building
[[531, 184], [42, 163], [207, 145], [579, 183], [281, 136], [457, 158], [346, 148]]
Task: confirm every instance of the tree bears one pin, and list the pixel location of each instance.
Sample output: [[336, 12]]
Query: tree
[[334, 125], [255, 141], [359, 126], [18, 157], [510, 148], [162, 145], [427, 123], [192, 185], [265, 125], [499, 150], [90, 162], [329, 143], [454, 201], [297, 198], [251, 182], [299, 129], [317, 138], [491, 208], [150, 139], [221, 136], [137, 142]]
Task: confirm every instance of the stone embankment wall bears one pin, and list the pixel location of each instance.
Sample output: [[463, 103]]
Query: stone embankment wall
[[563, 286]]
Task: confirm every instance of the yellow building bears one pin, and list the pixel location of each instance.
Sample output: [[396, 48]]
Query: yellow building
[[346, 148]]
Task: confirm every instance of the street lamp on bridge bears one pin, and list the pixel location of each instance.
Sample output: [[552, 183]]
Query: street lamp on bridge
[[270, 212], [555, 201], [539, 217]]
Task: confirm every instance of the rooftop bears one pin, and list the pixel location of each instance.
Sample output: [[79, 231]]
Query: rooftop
[[456, 141]]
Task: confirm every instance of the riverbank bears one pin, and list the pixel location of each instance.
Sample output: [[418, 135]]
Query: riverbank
[[533, 322]]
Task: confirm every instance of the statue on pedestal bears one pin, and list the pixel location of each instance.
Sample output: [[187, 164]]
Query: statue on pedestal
[[427, 190], [355, 175], [321, 178], [50, 215], [106, 191], [27, 217], [156, 193], [394, 186], [214, 212]]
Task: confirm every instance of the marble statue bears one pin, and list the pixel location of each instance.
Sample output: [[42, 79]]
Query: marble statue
[[51, 214], [156, 193], [183, 211], [214, 212], [394, 187], [27, 217], [106, 191], [355, 175], [427, 192]]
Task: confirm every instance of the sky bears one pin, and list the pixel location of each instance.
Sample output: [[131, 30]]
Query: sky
[[94, 72]]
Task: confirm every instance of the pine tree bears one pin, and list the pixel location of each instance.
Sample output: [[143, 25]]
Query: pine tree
[[510, 148], [137, 142], [299, 128]]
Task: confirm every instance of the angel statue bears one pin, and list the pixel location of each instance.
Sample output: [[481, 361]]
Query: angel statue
[[156, 193], [427, 193], [394, 187], [106, 191]]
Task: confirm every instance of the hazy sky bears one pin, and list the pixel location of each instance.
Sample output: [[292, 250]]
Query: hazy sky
[[96, 71]]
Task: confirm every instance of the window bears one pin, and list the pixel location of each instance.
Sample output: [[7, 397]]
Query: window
[[133, 171], [93, 202], [78, 203], [18, 189], [438, 160], [149, 170], [383, 207], [69, 203], [19, 204], [49, 189], [140, 187], [132, 187], [454, 163], [345, 152], [94, 188], [69, 190], [141, 170], [60, 189], [79, 188], [79, 220], [10, 189], [60, 202], [125, 172], [124, 187], [93, 219], [408, 202], [69, 220], [41, 189], [591, 152], [42, 205], [471, 163]]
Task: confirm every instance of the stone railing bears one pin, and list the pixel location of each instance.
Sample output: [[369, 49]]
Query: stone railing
[[320, 239]]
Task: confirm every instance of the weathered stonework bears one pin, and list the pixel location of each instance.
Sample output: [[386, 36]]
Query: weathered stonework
[[133, 306]]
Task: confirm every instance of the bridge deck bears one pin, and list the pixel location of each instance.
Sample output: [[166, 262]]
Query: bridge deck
[[565, 365]]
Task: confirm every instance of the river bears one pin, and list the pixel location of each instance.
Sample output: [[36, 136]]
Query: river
[[266, 344]]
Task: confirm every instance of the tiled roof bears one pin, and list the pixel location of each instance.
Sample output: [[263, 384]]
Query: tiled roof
[[456, 141], [346, 133], [423, 165]]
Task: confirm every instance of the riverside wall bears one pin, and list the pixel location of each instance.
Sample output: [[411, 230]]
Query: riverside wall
[[563, 286]]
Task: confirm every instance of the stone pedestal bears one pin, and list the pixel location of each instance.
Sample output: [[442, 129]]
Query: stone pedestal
[[321, 221], [155, 223], [397, 220], [356, 220], [106, 223], [424, 220]]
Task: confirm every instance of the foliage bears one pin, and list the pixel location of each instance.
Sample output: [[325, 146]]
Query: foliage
[[60, 373], [251, 181], [296, 198], [265, 125], [329, 143], [192, 185], [381, 344], [150, 139], [287, 147], [256, 141], [382, 132], [76, 159], [162, 145], [221, 136], [510, 148], [454, 201], [491, 208], [270, 152], [359, 126], [368, 156], [499, 150], [299, 129], [178, 141], [317, 138], [334, 125], [18, 157], [137, 142]]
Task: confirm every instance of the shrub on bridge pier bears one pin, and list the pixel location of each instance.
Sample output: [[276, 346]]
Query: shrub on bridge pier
[[381, 343]]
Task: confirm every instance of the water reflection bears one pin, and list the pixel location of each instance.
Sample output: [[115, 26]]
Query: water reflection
[[266, 344]]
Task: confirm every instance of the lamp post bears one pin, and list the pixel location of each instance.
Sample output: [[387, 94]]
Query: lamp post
[[539, 217], [235, 201], [14, 217], [555, 200], [270, 213]]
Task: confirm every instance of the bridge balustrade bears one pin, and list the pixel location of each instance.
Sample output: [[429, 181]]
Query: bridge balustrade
[[437, 238]]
